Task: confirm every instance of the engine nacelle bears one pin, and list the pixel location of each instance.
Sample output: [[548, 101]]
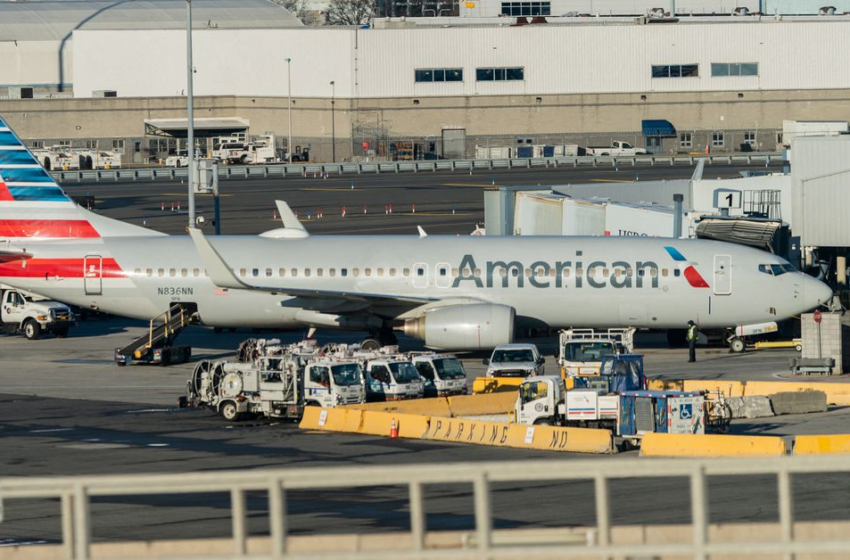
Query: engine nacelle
[[476, 326]]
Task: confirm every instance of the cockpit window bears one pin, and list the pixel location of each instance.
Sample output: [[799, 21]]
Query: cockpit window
[[776, 269]]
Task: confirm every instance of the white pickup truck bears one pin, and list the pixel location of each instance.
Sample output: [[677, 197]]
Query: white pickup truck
[[617, 148], [22, 313]]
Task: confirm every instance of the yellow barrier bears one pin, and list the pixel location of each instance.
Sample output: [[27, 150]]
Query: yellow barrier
[[377, 423], [475, 405], [495, 384], [310, 419], [730, 388], [822, 445], [501, 434], [686, 445], [664, 385], [836, 393], [438, 406], [331, 419]]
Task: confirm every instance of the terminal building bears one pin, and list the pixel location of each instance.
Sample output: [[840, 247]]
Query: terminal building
[[109, 74]]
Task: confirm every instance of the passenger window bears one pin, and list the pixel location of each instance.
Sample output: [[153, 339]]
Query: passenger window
[[355, 272], [380, 272], [420, 272], [579, 271], [320, 271], [294, 272], [528, 273], [172, 272], [137, 272], [282, 272], [268, 272], [243, 272], [332, 272], [149, 272], [160, 272], [665, 272], [343, 272], [454, 272], [255, 272], [605, 272], [196, 272], [677, 272], [565, 273], [368, 272], [443, 271], [392, 273], [306, 272], [406, 273], [184, 272], [477, 273]]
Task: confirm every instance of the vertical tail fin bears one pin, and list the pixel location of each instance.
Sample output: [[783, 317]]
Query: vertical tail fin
[[33, 206]]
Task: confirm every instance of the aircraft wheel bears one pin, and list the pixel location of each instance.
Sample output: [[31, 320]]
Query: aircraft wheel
[[32, 330], [370, 344], [737, 345]]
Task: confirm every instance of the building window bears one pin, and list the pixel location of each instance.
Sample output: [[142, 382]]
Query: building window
[[499, 74], [676, 71], [526, 8], [118, 144], [91, 144], [37, 144], [686, 139], [721, 69], [64, 143], [750, 138], [717, 139], [439, 75]]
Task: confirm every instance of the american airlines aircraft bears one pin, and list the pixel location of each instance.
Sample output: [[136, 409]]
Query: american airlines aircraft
[[452, 292]]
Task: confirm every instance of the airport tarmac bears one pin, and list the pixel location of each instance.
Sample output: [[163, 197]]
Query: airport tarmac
[[445, 202], [66, 409]]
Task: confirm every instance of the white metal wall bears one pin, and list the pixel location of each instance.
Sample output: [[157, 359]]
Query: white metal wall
[[33, 63], [821, 190], [381, 63]]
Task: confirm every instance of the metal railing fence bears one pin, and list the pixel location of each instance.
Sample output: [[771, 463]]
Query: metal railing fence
[[360, 168], [75, 494]]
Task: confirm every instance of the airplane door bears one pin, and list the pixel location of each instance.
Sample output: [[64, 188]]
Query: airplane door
[[420, 275], [722, 275], [93, 275]]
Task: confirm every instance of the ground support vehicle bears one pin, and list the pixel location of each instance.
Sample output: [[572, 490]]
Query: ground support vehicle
[[442, 374], [616, 149], [57, 158], [390, 376], [581, 351], [22, 313], [665, 412], [796, 344], [276, 386], [515, 360], [593, 402], [156, 347]]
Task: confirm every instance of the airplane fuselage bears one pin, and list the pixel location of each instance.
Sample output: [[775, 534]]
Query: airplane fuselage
[[559, 281]]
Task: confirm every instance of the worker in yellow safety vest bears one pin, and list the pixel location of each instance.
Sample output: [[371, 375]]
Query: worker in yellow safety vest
[[692, 341]]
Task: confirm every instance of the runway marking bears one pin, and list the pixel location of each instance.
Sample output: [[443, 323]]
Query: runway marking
[[92, 446], [51, 430], [331, 189]]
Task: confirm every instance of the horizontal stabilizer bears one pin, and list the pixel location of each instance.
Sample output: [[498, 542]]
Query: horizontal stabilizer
[[8, 256]]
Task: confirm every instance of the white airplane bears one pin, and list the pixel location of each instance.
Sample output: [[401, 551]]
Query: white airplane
[[456, 293]]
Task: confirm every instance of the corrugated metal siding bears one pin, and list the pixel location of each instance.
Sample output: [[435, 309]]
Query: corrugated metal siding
[[821, 172], [803, 6], [615, 7], [537, 214], [380, 63]]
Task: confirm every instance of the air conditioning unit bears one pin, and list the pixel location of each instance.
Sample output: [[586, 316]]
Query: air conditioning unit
[[827, 11], [104, 93], [17, 92]]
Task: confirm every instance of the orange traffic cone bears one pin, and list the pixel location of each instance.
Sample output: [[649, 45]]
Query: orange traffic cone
[[394, 430]]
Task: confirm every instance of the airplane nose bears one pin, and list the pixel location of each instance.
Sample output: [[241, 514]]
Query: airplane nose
[[816, 293]]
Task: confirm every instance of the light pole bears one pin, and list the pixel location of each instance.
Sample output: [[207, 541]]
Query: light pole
[[190, 114], [289, 87], [333, 122]]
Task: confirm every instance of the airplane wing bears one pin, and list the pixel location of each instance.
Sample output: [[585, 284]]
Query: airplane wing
[[223, 277]]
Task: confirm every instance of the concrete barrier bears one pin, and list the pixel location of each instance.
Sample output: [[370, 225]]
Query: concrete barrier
[[438, 406], [476, 405], [798, 402], [686, 445], [495, 384], [331, 419], [729, 388], [822, 445], [836, 393], [501, 434]]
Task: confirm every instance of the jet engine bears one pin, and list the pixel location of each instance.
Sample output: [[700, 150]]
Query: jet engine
[[474, 326]]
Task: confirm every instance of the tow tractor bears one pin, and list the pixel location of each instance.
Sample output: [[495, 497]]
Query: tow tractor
[[274, 386], [581, 351], [156, 347]]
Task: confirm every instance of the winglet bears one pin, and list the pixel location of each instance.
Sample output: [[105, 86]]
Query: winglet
[[421, 232], [219, 272], [288, 217]]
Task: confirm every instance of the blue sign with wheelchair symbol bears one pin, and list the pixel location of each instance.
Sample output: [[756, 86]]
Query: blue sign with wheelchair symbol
[[686, 411]]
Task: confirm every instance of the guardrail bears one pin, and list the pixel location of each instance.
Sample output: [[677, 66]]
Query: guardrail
[[471, 165], [75, 494]]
